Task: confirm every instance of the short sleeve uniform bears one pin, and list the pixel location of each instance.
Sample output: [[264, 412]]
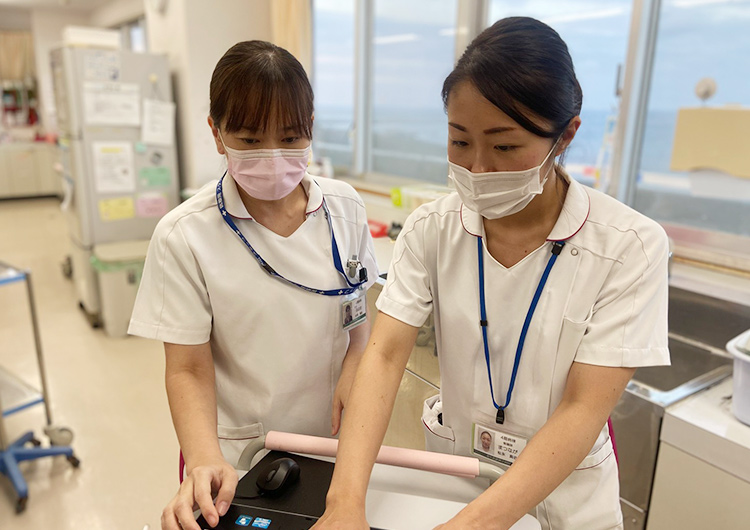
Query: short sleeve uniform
[[605, 303], [277, 349]]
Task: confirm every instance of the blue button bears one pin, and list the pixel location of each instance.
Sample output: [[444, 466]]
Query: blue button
[[262, 523], [243, 520]]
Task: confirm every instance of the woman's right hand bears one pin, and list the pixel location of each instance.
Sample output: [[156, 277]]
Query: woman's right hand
[[211, 478]]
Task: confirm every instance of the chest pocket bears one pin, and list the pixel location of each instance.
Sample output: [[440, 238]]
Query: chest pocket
[[571, 335]]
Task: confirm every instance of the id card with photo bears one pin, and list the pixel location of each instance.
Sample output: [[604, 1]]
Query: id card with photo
[[354, 310], [498, 445]]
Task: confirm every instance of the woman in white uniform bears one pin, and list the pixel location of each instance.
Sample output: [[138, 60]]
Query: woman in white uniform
[[247, 282], [546, 296]]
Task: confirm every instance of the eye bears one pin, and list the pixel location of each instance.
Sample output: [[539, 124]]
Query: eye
[[505, 148], [249, 141], [458, 143], [291, 140]]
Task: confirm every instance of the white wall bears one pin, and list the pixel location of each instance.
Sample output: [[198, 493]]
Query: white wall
[[46, 26], [195, 35], [117, 12], [14, 19]]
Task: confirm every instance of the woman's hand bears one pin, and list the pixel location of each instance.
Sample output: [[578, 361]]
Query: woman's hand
[[357, 343], [462, 523], [211, 478], [343, 387], [342, 518]]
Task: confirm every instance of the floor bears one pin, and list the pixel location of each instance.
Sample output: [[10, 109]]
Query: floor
[[110, 392]]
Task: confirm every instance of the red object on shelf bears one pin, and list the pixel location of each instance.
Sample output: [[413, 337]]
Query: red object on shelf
[[377, 229]]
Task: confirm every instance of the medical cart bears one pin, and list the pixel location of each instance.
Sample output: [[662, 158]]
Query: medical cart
[[404, 491], [16, 395]]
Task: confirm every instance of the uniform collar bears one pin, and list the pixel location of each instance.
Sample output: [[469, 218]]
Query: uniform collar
[[573, 216], [236, 208]]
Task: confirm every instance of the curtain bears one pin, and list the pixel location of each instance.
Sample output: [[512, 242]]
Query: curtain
[[16, 56], [291, 23]]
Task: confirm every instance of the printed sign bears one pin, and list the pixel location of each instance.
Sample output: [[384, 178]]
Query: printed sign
[[116, 209]]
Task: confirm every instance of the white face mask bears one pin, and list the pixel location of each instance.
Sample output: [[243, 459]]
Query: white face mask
[[499, 193]]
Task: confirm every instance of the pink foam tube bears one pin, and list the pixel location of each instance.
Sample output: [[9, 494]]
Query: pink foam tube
[[460, 466]]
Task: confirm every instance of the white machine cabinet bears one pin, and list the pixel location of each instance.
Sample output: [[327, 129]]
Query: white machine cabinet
[[703, 470]]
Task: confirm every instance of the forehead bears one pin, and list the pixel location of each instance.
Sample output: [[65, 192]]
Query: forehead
[[468, 107], [466, 96]]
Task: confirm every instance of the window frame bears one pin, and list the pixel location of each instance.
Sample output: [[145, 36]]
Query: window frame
[[715, 249]]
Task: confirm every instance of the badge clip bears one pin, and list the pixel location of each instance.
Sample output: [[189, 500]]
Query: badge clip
[[352, 265], [500, 418]]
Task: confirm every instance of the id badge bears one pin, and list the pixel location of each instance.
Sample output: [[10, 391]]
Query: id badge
[[497, 442], [354, 310]]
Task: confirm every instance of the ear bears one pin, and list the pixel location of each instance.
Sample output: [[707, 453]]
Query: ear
[[568, 135], [215, 133]]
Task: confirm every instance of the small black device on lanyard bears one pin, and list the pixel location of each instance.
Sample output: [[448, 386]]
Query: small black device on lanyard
[[352, 264]]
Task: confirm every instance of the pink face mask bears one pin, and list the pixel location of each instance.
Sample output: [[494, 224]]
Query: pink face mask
[[267, 174]]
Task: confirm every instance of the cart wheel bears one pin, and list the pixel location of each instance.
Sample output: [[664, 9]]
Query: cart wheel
[[35, 442], [59, 435], [74, 461], [21, 504], [67, 267]]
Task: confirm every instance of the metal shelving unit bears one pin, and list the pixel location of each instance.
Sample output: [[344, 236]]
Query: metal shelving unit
[[16, 395]]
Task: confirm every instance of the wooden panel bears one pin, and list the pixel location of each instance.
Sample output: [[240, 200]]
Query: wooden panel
[[712, 138]]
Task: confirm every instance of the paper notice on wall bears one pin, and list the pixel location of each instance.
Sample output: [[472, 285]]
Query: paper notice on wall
[[114, 169], [151, 205], [116, 209], [112, 104], [158, 122], [155, 177], [101, 65]]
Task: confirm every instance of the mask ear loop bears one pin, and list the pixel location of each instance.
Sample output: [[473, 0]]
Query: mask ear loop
[[554, 146], [226, 152]]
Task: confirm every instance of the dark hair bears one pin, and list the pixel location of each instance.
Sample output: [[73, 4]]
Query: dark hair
[[255, 82], [523, 67]]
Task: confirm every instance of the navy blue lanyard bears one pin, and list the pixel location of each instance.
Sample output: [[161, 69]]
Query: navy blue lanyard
[[557, 247], [270, 270]]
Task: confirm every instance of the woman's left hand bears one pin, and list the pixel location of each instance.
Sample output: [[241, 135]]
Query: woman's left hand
[[457, 524], [357, 341], [471, 519], [341, 394]]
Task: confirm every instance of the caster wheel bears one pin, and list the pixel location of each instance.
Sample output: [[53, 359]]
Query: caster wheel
[[67, 268], [21, 504], [59, 435], [35, 442], [74, 461]]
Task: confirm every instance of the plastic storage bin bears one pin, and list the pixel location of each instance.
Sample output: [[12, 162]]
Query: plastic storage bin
[[119, 267], [739, 347]]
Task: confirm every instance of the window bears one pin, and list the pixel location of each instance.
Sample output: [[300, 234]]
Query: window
[[698, 39], [333, 80], [133, 36], [414, 48], [406, 49], [597, 36]]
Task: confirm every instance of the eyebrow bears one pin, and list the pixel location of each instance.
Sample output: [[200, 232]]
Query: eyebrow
[[253, 130], [493, 130]]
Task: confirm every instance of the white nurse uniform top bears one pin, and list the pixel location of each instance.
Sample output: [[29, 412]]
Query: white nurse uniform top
[[277, 349], [605, 303]]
